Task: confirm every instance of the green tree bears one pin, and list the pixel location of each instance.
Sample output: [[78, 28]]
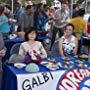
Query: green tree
[[2, 1], [49, 2]]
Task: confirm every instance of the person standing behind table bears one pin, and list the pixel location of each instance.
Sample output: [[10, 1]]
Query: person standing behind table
[[62, 17], [10, 15], [4, 25], [27, 19], [20, 12], [31, 45], [40, 18], [51, 15], [75, 10], [80, 26], [68, 43]]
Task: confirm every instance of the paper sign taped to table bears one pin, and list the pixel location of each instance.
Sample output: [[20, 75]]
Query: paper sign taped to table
[[78, 79]]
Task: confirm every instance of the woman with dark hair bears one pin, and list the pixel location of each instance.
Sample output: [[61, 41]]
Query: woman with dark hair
[[31, 46], [68, 43], [4, 25], [10, 15]]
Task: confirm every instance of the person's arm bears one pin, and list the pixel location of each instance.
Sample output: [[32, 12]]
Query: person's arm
[[57, 15], [43, 52], [61, 50], [67, 17], [21, 51], [76, 46]]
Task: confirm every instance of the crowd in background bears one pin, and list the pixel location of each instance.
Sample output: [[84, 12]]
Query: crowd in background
[[57, 22], [51, 20]]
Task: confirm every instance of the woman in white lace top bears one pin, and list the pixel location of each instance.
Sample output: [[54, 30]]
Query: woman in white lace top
[[68, 43]]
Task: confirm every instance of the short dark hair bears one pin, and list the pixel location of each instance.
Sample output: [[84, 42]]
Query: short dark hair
[[81, 12], [31, 29], [8, 6], [1, 9], [39, 6], [28, 7], [69, 24]]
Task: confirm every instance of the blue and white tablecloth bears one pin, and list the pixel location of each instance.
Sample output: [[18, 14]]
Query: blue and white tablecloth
[[61, 79]]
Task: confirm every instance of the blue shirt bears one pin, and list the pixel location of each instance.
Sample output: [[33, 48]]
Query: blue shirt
[[4, 27], [42, 19], [20, 13]]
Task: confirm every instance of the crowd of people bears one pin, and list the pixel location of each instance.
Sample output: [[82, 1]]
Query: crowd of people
[[33, 20]]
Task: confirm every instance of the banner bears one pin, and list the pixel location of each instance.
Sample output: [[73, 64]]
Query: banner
[[78, 79]]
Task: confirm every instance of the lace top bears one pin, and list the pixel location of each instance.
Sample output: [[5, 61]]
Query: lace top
[[68, 46]]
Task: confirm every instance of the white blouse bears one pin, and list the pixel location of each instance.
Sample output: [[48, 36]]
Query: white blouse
[[68, 46], [26, 47]]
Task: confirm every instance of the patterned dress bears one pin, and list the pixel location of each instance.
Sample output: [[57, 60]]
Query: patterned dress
[[35, 48], [68, 46]]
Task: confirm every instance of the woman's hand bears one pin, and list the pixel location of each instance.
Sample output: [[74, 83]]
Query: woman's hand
[[6, 21], [63, 56]]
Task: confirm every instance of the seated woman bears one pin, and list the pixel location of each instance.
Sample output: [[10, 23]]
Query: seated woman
[[68, 43], [32, 47]]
